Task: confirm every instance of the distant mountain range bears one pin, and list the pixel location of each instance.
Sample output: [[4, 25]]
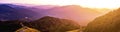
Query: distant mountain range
[[109, 22], [14, 12], [73, 12]]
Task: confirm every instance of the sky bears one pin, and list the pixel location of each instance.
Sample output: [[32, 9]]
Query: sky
[[84, 3]]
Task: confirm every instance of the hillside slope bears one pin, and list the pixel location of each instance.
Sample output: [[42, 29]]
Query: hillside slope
[[106, 23], [51, 24]]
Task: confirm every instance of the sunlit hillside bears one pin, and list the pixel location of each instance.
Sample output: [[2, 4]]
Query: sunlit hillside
[[106, 23]]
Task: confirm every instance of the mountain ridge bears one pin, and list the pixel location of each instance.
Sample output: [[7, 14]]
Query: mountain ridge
[[106, 23], [17, 12], [44, 24]]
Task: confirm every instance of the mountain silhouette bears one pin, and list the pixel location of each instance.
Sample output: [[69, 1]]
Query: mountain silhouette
[[107, 23], [52, 24], [13, 12], [74, 12], [44, 24]]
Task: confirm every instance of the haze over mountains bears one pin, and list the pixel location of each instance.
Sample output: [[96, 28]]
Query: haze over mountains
[[13, 12], [52, 18], [109, 22], [73, 12]]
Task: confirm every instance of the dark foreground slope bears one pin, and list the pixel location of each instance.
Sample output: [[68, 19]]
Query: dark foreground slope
[[106, 23], [9, 26], [44, 24]]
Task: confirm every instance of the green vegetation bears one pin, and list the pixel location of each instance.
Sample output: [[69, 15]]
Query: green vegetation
[[106, 23]]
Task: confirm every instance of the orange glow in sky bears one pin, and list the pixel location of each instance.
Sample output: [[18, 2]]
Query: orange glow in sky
[[84, 3]]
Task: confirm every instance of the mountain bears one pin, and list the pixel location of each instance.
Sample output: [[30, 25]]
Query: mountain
[[74, 12], [45, 6], [13, 12], [44, 24], [52, 24], [107, 23]]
